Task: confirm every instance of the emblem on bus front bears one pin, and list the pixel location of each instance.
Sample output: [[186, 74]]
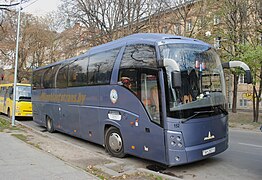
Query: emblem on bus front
[[113, 96], [209, 136]]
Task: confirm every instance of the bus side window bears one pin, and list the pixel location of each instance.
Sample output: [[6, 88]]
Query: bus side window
[[77, 73], [10, 92], [2, 92], [139, 55], [49, 76], [61, 79], [128, 78], [100, 67], [150, 95]]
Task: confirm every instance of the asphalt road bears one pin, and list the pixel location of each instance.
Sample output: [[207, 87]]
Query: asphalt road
[[242, 160]]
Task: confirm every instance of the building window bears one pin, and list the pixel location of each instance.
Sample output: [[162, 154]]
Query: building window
[[177, 29], [216, 20], [241, 79], [164, 30], [189, 25], [217, 42], [243, 102]]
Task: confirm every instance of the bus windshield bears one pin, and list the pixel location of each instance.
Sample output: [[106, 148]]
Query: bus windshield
[[199, 70], [23, 93]]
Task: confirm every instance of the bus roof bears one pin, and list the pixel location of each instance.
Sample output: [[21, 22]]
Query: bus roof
[[12, 84], [150, 38], [147, 38]]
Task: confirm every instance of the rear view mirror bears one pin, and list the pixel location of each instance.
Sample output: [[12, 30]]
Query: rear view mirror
[[248, 77], [176, 79], [232, 64]]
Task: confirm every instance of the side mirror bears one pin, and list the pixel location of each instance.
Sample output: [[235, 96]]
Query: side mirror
[[232, 64], [176, 79]]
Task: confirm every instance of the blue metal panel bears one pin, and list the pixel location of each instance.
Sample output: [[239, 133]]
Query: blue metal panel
[[138, 132], [194, 138], [89, 124], [114, 77], [195, 153]]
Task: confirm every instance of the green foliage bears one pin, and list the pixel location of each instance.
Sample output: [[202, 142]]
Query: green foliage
[[252, 56], [4, 124]]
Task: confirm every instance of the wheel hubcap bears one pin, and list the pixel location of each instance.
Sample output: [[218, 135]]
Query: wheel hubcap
[[48, 123], [115, 142]]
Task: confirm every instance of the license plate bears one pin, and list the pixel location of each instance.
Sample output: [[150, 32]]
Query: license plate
[[208, 151]]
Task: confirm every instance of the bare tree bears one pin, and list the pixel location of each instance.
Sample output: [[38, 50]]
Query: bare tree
[[236, 31], [36, 46], [106, 20]]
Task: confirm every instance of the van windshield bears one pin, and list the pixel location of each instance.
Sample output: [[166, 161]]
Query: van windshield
[[23, 93], [202, 84]]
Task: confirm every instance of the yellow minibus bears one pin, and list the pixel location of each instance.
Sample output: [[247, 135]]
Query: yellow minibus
[[23, 100]]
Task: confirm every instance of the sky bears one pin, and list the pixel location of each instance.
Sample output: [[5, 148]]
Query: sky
[[40, 7]]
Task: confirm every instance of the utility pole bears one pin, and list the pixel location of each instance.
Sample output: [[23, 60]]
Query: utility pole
[[16, 64]]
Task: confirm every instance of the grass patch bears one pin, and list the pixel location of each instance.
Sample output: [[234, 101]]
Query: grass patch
[[244, 120], [97, 172], [5, 124], [22, 137], [137, 175]]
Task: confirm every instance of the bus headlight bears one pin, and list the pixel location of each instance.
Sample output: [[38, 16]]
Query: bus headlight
[[180, 144], [175, 140], [17, 109], [177, 158]]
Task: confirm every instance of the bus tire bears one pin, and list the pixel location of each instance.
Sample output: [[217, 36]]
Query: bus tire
[[49, 125], [114, 142], [9, 114]]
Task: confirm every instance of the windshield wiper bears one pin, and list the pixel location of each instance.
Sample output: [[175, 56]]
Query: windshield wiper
[[223, 110], [195, 114]]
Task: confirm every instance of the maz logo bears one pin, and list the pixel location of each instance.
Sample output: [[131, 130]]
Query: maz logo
[[209, 136]]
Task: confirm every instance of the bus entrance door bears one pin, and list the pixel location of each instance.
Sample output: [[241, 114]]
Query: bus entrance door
[[153, 133]]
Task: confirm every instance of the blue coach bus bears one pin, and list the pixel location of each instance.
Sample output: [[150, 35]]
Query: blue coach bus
[[156, 96]]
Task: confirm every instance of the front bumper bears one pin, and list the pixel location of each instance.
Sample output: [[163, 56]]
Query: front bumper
[[195, 153]]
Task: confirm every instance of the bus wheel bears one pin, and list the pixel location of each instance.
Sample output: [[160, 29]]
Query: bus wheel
[[114, 142], [49, 125], [8, 113]]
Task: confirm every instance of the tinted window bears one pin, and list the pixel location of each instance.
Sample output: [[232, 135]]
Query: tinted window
[[139, 56], [49, 77], [128, 78], [101, 66], [2, 91], [37, 79], [77, 73], [61, 79], [10, 92], [144, 84]]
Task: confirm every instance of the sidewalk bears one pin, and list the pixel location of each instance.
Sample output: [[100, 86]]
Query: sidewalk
[[20, 161]]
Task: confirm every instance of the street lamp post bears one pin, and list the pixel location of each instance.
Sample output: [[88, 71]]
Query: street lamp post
[[16, 64]]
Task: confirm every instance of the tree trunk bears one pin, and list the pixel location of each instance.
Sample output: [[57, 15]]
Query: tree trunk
[[234, 103], [258, 95], [257, 109], [254, 103]]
